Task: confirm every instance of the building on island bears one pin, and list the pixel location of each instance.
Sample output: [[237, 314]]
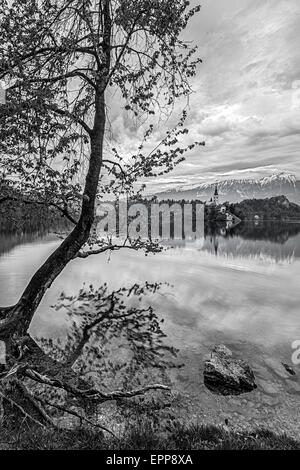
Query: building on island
[[214, 200], [216, 196], [214, 205]]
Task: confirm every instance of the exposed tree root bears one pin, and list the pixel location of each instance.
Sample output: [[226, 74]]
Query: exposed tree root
[[20, 408], [74, 413]]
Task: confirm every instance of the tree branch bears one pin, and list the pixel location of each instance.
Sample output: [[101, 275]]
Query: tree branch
[[14, 403], [136, 245], [86, 334], [78, 120], [35, 403], [91, 394], [115, 164], [74, 413], [103, 249], [44, 50], [72, 74], [124, 46]]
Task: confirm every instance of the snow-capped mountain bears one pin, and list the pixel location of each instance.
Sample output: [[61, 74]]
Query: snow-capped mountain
[[235, 190]]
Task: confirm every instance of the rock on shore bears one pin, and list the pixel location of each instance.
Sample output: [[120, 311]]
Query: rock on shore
[[225, 375]]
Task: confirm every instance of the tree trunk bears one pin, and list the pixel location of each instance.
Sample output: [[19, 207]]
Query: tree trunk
[[16, 319]]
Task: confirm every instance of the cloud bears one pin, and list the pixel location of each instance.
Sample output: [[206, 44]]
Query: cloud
[[246, 105]]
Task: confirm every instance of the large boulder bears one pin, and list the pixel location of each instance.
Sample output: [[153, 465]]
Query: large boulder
[[225, 375]]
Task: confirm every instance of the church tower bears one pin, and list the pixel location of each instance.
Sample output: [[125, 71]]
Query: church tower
[[216, 195]]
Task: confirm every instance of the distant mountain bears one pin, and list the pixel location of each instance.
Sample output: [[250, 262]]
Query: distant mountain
[[237, 190]]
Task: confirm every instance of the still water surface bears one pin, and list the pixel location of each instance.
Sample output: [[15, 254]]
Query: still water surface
[[244, 282], [239, 287]]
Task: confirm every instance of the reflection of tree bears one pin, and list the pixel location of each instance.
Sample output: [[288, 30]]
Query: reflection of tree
[[275, 232], [115, 342], [254, 239], [26, 225]]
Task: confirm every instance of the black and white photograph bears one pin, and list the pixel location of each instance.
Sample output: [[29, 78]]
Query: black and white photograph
[[149, 229]]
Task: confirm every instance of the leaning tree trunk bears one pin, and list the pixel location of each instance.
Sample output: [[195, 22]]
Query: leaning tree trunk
[[15, 320]]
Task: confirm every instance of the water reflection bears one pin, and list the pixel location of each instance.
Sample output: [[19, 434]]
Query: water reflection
[[246, 297], [243, 290], [275, 240], [28, 231]]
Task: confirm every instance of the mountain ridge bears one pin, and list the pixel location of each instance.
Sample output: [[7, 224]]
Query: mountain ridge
[[236, 190]]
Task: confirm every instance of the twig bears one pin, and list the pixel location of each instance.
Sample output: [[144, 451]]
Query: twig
[[13, 403], [33, 401], [74, 413]]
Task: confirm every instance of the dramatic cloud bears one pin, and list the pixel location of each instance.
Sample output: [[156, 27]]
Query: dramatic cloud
[[246, 104]]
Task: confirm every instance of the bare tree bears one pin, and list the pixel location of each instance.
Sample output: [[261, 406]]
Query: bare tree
[[60, 60]]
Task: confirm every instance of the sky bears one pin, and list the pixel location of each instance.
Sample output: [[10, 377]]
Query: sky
[[246, 100]]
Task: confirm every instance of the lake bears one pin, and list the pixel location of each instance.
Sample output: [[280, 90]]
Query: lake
[[239, 287]]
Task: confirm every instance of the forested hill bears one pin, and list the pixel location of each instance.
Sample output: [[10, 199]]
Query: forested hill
[[273, 208]]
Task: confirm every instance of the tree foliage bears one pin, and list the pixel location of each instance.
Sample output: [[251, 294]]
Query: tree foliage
[[61, 61], [57, 56]]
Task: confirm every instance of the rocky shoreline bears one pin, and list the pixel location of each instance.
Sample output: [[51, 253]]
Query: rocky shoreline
[[272, 405]]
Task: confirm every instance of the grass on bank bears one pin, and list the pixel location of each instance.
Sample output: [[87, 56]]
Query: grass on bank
[[142, 437]]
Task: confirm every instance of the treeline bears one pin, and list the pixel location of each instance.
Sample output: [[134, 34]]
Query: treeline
[[211, 212], [274, 208], [30, 218]]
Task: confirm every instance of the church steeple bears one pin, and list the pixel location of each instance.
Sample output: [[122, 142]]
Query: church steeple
[[216, 195]]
